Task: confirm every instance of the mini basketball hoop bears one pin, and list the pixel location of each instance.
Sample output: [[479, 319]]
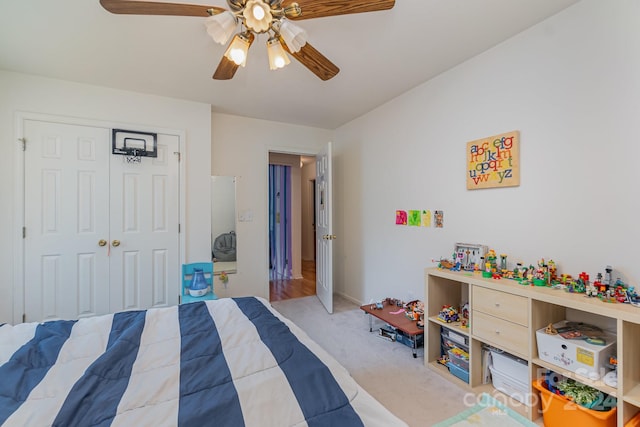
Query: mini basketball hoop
[[134, 145], [134, 157]]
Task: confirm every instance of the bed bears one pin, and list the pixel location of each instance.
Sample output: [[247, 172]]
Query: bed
[[229, 362]]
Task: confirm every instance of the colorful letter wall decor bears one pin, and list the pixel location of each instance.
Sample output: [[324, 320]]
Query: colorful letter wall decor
[[494, 161], [418, 218]]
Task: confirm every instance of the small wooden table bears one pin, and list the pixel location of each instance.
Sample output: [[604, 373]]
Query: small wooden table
[[398, 321]]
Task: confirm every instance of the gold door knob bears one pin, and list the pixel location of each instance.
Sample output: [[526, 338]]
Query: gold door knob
[[115, 243], [102, 242]]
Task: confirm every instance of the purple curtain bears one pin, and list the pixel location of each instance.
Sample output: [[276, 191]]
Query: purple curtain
[[279, 222]]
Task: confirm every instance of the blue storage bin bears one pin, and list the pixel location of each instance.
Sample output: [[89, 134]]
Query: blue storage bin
[[458, 372], [402, 338]]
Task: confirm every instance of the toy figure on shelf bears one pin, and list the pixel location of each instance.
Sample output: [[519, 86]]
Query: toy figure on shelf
[[607, 275], [528, 276], [444, 264], [591, 290], [503, 262], [540, 275], [565, 279], [448, 314], [620, 294], [491, 260], [632, 297], [584, 277], [414, 309], [579, 287], [553, 271], [464, 312], [550, 330], [607, 297], [599, 285]]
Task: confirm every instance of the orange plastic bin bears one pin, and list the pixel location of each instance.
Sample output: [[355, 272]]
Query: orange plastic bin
[[558, 411], [633, 422]]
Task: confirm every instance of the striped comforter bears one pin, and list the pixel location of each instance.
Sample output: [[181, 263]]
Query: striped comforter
[[231, 362]]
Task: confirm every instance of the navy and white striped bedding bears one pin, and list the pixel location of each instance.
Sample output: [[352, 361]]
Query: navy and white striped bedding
[[231, 362]]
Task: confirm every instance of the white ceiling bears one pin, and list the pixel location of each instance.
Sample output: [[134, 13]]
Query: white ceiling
[[380, 54]]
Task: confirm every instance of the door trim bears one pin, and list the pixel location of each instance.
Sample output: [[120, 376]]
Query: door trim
[[19, 196]]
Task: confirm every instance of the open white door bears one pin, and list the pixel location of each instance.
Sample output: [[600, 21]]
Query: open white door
[[324, 230]]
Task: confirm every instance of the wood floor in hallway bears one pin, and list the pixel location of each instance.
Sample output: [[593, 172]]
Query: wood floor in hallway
[[295, 288]]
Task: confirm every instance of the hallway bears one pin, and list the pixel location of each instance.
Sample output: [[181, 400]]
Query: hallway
[[295, 288]]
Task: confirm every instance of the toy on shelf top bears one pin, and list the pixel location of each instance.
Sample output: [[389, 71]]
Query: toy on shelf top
[[448, 314], [468, 256], [481, 260], [414, 310]]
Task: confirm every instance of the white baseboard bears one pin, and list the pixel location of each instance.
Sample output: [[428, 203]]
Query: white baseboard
[[350, 298]]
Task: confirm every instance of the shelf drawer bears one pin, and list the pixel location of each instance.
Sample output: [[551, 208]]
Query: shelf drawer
[[513, 308], [506, 335]]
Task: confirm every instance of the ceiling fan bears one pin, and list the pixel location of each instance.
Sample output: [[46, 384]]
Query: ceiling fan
[[272, 17]]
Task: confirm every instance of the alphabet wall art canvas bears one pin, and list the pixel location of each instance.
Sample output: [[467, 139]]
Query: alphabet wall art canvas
[[494, 161]]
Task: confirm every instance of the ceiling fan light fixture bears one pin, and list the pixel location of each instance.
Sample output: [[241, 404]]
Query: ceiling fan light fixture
[[294, 36], [277, 56], [292, 11], [257, 15], [238, 49], [236, 5], [221, 26]]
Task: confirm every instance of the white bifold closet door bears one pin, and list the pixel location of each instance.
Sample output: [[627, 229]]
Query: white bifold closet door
[[101, 233]]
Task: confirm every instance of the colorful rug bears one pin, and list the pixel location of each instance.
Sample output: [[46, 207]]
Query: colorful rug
[[488, 412]]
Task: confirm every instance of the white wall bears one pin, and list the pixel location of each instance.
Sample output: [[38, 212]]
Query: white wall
[[39, 95], [571, 85], [240, 147]]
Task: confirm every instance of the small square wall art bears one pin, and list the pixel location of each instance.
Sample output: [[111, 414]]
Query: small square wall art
[[414, 218], [438, 219]]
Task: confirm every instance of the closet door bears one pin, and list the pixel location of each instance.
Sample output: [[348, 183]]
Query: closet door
[[144, 229], [66, 270], [101, 233]]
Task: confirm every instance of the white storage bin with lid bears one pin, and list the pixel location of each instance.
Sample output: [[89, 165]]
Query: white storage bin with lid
[[510, 365], [512, 387], [576, 355]]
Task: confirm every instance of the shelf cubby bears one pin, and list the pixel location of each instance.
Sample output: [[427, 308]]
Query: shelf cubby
[[503, 311]]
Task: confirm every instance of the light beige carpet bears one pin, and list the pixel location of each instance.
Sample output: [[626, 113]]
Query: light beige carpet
[[387, 370], [488, 412]]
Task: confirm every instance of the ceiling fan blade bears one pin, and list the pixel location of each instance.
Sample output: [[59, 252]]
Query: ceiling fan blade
[[321, 8], [316, 62], [226, 69], [135, 7]]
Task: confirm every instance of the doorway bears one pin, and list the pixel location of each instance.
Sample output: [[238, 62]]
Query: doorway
[[301, 220]]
